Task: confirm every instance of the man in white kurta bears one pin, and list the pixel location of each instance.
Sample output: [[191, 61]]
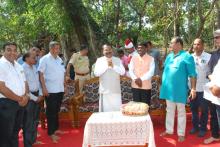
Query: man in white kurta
[[109, 68]]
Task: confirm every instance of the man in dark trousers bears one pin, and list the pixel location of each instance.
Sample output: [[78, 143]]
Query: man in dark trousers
[[52, 71], [13, 96]]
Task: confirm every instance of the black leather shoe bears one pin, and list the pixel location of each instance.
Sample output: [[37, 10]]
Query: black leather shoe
[[201, 133], [193, 131]]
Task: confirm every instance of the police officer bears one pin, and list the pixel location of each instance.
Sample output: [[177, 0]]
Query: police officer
[[80, 62]]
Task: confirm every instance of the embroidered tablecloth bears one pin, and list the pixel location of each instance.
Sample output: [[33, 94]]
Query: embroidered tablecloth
[[115, 129]]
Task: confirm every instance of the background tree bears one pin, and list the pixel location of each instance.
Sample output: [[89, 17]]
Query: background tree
[[94, 22]]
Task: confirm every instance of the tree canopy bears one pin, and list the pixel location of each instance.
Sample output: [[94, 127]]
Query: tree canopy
[[94, 22]]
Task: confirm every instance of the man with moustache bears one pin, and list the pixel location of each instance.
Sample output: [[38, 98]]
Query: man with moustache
[[52, 71], [109, 68], [13, 96], [178, 67], [141, 70], [80, 62], [201, 59], [32, 109]]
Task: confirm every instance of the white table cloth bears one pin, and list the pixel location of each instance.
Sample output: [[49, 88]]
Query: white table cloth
[[114, 129]]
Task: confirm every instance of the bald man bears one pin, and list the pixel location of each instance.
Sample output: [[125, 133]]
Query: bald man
[[109, 68], [201, 59]]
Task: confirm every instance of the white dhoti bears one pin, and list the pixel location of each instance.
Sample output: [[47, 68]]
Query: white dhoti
[[109, 102], [109, 83]]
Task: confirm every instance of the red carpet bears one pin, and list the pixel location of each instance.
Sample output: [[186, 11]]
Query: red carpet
[[74, 137]]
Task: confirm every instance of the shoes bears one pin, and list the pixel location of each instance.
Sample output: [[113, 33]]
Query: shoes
[[201, 133], [54, 138], [164, 134], [193, 131], [60, 132], [210, 140], [181, 138]]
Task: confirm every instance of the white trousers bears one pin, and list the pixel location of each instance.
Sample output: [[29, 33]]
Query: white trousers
[[170, 116], [110, 102]]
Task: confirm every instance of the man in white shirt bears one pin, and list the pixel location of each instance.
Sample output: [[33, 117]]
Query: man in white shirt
[[13, 96], [109, 68], [201, 59], [52, 71], [211, 90], [212, 93], [32, 110]]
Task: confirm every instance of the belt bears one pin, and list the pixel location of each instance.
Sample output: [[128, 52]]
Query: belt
[[81, 74], [35, 93]]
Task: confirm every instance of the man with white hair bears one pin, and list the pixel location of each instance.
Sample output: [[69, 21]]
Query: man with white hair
[[212, 90], [52, 71]]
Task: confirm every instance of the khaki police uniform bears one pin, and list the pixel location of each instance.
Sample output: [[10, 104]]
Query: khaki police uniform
[[81, 67]]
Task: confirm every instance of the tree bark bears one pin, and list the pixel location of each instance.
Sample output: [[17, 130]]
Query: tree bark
[[218, 15], [117, 22], [203, 17], [176, 25], [140, 13], [83, 24]]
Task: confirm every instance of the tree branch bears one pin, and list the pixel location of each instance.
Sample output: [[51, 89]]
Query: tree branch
[[210, 9]]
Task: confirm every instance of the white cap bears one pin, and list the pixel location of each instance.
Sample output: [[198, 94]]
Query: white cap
[[217, 33]]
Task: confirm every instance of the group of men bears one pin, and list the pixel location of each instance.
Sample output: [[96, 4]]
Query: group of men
[[140, 69], [22, 87], [39, 78], [199, 72], [186, 78]]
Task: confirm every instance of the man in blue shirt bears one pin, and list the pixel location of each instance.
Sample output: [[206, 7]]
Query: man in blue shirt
[[178, 67], [52, 71], [35, 51], [32, 110]]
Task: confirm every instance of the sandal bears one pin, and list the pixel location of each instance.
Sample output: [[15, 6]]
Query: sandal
[[210, 140]]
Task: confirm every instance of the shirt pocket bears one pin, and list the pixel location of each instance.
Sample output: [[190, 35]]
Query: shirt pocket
[[175, 64]]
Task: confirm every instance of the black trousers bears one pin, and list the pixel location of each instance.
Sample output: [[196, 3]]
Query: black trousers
[[213, 120], [141, 95], [30, 123], [11, 116], [53, 102]]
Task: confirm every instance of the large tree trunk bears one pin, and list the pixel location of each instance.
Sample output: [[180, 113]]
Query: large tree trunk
[[218, 15], [69, 43], [202, 17], [176, 25], [190, 22], [84, 26], [117, 18]]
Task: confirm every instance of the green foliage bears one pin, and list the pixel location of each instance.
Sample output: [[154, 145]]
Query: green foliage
[[32, 21]]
